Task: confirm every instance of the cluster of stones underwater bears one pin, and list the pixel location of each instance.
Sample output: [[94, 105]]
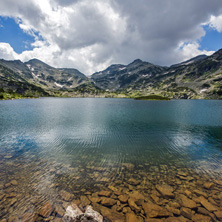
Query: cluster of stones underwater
[[43, 192]]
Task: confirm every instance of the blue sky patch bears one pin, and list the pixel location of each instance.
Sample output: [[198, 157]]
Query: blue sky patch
[[11, 33], [212, 41]]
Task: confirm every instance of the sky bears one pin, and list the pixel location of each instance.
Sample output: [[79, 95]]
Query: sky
[[91, 35]]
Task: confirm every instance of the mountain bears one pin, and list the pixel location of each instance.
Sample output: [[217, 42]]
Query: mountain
[[52, 78], [36, 78], [13, 85], [195, 59], [200, 77], [197, 78], [117, 77]]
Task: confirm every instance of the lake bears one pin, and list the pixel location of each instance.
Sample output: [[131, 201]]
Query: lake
[[86, 145]]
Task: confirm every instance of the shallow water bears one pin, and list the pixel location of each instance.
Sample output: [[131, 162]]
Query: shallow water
[[84, 144]]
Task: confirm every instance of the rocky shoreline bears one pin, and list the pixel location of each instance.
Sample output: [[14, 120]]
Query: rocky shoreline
[[139, 193]]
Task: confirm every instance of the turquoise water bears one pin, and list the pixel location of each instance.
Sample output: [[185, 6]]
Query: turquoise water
[[76, 144], [112, 131]]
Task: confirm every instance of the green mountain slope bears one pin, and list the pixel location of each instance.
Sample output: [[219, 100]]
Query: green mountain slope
[[197, 78], [52, 78], [35, 78], [200, 77], [117, 77], [12, 85]]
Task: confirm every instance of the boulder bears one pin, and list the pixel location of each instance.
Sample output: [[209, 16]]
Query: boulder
[[205, 203], [107, 201], [114, 189], [188, 203], [13, 219], [72, 213], [94, 199], [174, 204], [200, 193], [200, 218], [165, 190], [84, 201], [208, 185], [28, 217], [131, 217], [46, 210], [12, 201], [154, 210], [105, 193], [111, 214], [123, 198], [218, 215], [66, 195], [202, 210], [59, 210], [2, 196], [154, 196], [90, 213], [186, 212], [133, 181], [181, 173], [14, 182], [136, 195], [173, 210], [188, 193], [133, 205]]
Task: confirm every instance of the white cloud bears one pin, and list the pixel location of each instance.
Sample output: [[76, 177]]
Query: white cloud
[[216, 22], [7, 52], [90, 35], [190, 50]]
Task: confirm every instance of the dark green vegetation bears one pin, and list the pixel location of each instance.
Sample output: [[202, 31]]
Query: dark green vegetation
[[151, 97], [197, 78]]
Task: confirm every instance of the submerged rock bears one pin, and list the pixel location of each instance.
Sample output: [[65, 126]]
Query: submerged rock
[[208, 185], [165, 190], [46, 210], [114, 189], [12, 201], [123, 198], [90, 213], [13, 219], [131, 217], [200, 217], [72, 213], [218, 215], [107, 201], [66, 195], [205, 203], [14, 182], [200, 193], [188, 203], [154, 210], [133, 181], [111, 214], [186, 212], [84, 201], [136, 195], [133, 205], [104, 193], [29, 217], [59, 210]]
